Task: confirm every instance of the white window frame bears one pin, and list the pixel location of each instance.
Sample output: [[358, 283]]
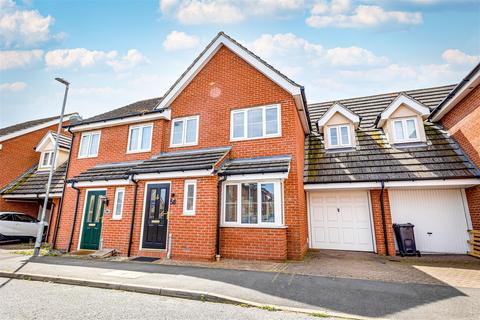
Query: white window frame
[[184, 133], [278, 205], [42, 158], [90, 144], [193, 183], [140, 137], [340, 144], [404, 129], [115, 214], [264, 123]]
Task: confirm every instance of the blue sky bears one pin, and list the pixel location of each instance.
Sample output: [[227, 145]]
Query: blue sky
[[117, 52]]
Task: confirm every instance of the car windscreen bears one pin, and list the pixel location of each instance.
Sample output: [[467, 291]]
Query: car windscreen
[[6, 217], [24, 218]]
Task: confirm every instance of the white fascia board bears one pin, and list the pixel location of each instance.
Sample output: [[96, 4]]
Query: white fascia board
[[41, 145], [462, 93], [342, 185], [344, 111], [166, 114], [257, 176], [30, 196], [101, 183], [447, 183], [28, 130], [300, 104], [173, 174], [411, 103], [242, 53]]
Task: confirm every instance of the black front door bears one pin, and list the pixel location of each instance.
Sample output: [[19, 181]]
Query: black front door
[[156, 216]]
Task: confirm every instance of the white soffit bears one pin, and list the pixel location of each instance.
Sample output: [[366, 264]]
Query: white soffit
[[409, 102], [344, 111]]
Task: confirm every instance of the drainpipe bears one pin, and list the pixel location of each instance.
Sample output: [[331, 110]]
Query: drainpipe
[[133, 214], [382, 209], [60, 206], [219, 213], [77, 198]]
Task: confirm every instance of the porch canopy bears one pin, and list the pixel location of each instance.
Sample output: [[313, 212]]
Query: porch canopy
[[260, 167]]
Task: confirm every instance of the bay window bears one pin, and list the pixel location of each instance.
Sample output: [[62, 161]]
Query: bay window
[[252, 204], [255, 123]]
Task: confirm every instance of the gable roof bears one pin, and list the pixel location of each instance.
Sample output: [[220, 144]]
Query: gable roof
[[261, 65], [63, 141], [402, 99], [374, 159], [19, 129], [470, 82], [337, 107]]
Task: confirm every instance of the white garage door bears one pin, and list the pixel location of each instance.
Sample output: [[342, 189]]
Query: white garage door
[[340, 220], [438, 215]]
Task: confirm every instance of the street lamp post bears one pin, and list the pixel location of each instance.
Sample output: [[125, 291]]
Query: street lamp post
[[38, 240]]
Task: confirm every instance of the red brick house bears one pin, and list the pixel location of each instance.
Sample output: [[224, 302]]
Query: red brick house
[[21, 156], [459, 113], [232, 162]]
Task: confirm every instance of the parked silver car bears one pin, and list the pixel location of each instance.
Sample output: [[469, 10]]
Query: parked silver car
[[17, 226]]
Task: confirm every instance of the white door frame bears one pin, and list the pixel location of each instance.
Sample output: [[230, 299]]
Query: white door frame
[[83, 214], [145, 188]]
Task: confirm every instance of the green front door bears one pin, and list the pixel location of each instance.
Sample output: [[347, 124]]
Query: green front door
[[92, 221]]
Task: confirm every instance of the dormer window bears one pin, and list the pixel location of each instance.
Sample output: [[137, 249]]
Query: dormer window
[[405, 130], [339, 136], [338, 124], [46, 159]]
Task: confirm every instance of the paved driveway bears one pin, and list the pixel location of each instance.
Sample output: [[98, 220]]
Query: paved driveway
[[452, 270]]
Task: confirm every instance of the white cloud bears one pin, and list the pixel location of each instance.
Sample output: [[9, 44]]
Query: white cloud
[[455, 56], [12, 86], [64, 58], [339, 13], [18, 59], [22, 28], [206, 12], [177, 40], [81, 57], [195, 12], [132, 59], [353, 56]]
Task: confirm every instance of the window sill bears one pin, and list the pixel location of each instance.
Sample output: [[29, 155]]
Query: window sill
[[183, 145], [253, 226], [185, 214], [88, 157], [116, 219], [256, 138], [139, 151]]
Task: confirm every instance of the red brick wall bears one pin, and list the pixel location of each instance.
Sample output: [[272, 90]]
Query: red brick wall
[[254, 243], [17, 156], [463, 123], [240, 86], [378, 222]]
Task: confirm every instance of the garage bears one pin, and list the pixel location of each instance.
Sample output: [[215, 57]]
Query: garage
[[440, 217], [340, 220]]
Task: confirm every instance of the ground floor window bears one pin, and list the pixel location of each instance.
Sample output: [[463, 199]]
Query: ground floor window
[[252, 203]]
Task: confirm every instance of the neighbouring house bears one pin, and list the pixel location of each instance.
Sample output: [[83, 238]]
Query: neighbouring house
[[459, 113], [26, 193], [232, 162]]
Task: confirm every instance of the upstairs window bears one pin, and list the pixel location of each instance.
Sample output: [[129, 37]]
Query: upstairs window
[[339, 136], [405, 130], [255, 123], [140, 138], [89, 145], [47, 159], [251, 204], [184, 132]]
